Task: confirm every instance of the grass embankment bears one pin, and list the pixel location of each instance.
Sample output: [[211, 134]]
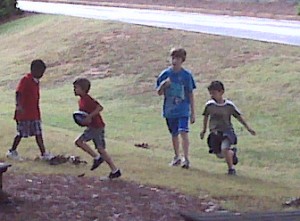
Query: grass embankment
[[123, 61]]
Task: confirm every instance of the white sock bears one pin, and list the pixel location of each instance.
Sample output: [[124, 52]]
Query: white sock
[[97, 157]]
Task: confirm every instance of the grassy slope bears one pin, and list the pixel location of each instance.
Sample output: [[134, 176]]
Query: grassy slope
[[123, 61]]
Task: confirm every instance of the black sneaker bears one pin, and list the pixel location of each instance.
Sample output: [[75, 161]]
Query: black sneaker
[[97, 163], [235, 159], [231, 172], [115, 174]]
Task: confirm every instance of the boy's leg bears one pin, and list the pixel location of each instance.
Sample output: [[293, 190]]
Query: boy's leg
[[79, 142], [16, 142], [100, 144], [228, 154], [175, 143], [183, 127], [40, 143], [173, 129]]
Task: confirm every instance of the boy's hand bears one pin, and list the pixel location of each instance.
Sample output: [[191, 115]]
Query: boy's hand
[[87, 120], [192, 119], [202, 133], [166, 83], [251, 131]]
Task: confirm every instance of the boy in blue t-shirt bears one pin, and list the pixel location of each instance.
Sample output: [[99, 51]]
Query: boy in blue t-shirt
[[177, 85]]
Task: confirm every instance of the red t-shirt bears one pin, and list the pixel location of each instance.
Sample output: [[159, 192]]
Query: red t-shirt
[[88, 105], [29, 90]]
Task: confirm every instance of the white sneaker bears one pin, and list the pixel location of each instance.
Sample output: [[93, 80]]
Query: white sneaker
[[47, 156], [13, 154], [175, 162]]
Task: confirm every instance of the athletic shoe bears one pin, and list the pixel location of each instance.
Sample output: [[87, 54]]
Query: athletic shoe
[[231, 172], [13, 154], [176, 161], [185, 164], [115, 174], [97, 163], [235, 159], [46, 156]]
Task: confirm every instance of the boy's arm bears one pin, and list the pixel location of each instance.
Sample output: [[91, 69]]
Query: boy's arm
[[18, 102], [89, 117], [202, 133], [162, 86], [243, 122], [192, 101]]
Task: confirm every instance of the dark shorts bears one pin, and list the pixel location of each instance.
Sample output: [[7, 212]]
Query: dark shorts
[[215, 140], [29, 128], [94, 134], [177, 125]]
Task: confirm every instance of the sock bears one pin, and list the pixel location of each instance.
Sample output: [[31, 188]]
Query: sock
[[115, 171], [97, 157]]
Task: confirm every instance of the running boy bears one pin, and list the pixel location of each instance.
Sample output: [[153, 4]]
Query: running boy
[[177, 85], [95, 127], [219, 111], [27, 112]]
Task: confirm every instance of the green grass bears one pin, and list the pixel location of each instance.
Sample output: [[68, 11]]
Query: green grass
[[123, 61]]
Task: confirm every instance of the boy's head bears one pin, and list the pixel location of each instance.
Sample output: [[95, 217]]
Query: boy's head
[[216, 90], [37, 68], [178, 56], [81, 86]]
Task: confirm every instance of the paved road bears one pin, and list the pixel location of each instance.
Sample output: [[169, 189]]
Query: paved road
[[278, 31]]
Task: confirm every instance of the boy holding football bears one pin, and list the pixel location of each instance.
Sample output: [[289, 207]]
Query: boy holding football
[[95, 127]]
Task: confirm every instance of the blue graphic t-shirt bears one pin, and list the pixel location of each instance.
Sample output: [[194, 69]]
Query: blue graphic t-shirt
[[177, 100]]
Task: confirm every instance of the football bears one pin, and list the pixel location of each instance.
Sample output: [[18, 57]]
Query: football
[[78, 117]]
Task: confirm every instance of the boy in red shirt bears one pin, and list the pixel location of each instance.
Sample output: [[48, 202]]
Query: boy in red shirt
[[27, 113], [95, 127]]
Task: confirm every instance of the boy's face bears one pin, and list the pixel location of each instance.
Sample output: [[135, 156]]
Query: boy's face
[[176, 62], [38, 74], [216, 94], [78, 90]]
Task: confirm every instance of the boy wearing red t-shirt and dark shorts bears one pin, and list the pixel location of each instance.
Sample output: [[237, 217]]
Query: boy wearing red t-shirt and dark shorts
[[95, 127], [27, 113]]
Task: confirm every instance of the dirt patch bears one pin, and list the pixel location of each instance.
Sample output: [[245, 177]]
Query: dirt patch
[[61, 198]]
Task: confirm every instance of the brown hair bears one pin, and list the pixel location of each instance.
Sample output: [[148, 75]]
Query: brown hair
[[178, 52], [84, 83]]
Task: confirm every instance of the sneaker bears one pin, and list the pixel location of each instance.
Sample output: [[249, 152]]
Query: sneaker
[[97, 163], [13, 154], [46, 156], [115, 174], [185, 164], [176, 161], [235, 159], [231, 172]]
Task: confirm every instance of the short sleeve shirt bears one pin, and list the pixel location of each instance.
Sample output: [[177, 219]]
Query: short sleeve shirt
[[88, 105], [29, 91], [176, 96], [220, 115]]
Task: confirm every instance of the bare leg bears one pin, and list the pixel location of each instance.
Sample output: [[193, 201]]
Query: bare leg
[[228, 154], [84, 146], [16, 142], [107, 159], [175, 141], [185, 144], [40, 143]]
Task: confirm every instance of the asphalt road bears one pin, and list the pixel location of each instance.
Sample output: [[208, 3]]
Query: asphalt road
[[277, 31]]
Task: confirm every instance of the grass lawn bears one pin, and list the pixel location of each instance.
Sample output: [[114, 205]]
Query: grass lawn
[[123, 61]]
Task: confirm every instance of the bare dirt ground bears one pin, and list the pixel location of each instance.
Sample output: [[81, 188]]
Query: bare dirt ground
[[36, 197]]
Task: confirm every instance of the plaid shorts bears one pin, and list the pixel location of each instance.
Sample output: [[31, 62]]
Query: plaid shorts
[[29, 128]]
